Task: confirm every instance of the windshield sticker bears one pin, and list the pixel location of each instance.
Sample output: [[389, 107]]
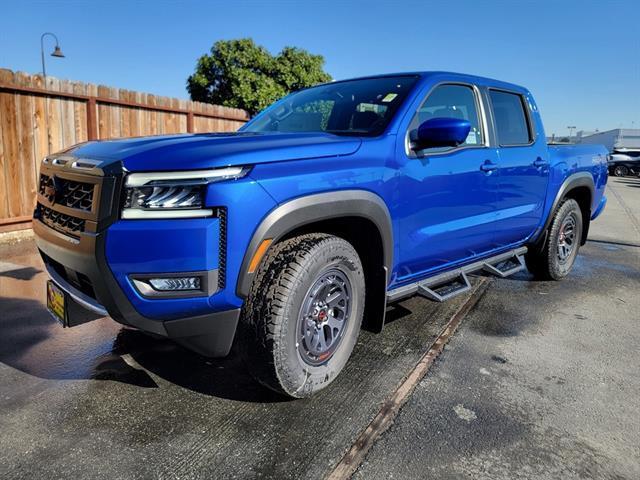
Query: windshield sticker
[[389, 97]]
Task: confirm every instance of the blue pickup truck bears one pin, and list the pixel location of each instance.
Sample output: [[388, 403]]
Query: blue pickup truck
[[291, 234]]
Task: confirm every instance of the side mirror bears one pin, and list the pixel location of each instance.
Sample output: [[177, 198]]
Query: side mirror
[[440, 132]]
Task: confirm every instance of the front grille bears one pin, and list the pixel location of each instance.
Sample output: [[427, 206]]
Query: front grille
[[70, 193], [60, 221]]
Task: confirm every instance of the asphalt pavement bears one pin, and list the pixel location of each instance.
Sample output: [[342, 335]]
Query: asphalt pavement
[[543, 378], [541, 381]]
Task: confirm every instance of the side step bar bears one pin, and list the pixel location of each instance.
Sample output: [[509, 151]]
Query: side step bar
[[447, 285], [502, 269], [447, 289]]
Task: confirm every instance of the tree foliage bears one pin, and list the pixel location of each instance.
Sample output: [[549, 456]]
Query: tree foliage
[[241, 74]]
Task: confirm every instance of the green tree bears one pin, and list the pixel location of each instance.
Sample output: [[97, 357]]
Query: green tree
[[241, 74]]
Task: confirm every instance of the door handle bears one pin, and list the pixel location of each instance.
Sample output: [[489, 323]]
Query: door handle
[[539, 162], [488, 166]]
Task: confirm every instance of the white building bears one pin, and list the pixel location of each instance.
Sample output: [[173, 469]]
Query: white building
[[618, 140]]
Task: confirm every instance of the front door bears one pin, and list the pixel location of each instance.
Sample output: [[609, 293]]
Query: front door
[[447, 196]]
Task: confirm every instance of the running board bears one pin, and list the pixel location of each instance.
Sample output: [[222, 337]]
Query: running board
[[505, 268], [446, 289], [447, 285]]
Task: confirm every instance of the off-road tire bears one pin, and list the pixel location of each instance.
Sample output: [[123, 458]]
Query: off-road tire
[[269, 323], [545, 263]]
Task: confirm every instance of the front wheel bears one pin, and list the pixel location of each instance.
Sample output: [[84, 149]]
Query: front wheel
[[556, 259], [302, 317]]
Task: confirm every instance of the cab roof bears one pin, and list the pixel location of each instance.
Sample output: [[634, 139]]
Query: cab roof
[[444, 76]]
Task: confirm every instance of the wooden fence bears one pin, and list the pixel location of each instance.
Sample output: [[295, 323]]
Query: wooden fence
[[78, 112]]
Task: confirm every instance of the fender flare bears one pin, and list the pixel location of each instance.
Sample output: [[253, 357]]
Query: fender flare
[[578, 179], [313, 208]]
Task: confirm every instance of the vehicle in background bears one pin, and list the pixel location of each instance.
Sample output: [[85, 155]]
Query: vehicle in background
[[622, 164], [292, 233]]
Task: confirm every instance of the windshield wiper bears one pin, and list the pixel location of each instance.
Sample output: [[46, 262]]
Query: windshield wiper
[[350, 133]]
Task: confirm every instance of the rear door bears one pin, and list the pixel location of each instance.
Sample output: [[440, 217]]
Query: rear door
[[523, 166], [446, 197]]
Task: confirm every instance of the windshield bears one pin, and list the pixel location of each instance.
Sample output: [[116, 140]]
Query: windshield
[[355, 107]]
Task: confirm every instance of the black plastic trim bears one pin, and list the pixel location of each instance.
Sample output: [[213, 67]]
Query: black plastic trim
[[209, 335], [222, 248], [313, 208], [578, 179]]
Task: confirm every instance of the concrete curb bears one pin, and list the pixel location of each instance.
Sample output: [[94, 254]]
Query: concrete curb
[[9, 238]]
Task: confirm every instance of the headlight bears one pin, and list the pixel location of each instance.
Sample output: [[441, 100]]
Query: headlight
[[173, 194]]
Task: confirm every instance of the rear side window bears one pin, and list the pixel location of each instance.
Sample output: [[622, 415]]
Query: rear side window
[[512, 126]]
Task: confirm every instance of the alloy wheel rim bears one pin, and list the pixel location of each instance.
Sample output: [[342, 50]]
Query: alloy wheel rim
[[566, 238], [323, 317]]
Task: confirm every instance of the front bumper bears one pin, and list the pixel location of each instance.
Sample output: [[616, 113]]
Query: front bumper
[[93, 255], [209, 334]]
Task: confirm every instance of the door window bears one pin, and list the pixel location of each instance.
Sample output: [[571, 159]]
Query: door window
[[512, 126], [451, 101]]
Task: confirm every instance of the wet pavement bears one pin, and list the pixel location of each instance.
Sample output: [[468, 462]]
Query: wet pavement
[[104, 401], [542, 380]]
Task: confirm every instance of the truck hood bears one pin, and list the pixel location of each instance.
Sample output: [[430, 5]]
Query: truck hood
[[182, 152]]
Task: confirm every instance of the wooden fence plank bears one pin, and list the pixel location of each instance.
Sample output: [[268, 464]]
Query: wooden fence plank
[[56, 124], [115, 130], [6, 158], [26, 166], [104, 114], [80, 114], [66, 110], [26, 142], [4, 205], [10, 140], [125, 117], [153, 116], [136, 116], [39, 124]]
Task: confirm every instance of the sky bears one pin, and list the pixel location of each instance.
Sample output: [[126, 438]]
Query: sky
[[580, 59]]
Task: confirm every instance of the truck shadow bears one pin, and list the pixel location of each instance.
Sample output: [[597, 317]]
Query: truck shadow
[[31, 342], [220, 377], [26, 273]]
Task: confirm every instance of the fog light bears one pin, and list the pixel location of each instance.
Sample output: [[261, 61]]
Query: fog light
[[175, 284]]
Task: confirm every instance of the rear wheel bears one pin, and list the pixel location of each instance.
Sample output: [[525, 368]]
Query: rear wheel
[[621, 171], [302, 317], [555, 260]]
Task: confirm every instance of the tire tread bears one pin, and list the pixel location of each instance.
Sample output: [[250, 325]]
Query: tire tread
[[260, 326], [542, 262]]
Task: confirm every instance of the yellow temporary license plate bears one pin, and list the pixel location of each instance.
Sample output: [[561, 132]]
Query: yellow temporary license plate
[[56, 302]]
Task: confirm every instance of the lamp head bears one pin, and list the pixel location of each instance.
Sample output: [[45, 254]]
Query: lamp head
[[57, 52]]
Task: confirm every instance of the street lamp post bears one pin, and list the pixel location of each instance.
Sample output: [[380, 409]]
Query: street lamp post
[[56, 53]]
